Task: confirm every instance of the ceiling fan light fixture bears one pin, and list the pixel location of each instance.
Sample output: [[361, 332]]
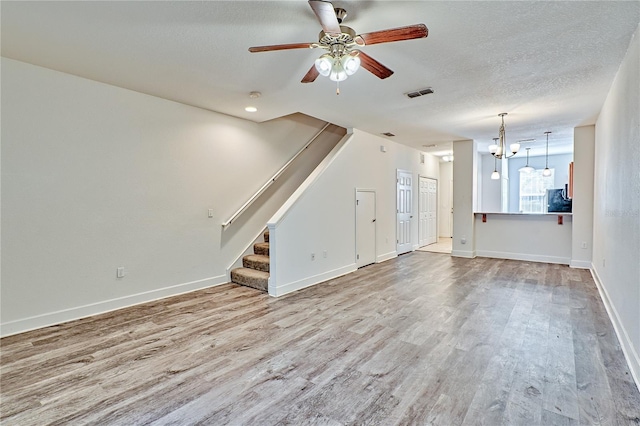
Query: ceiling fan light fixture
[[338, 72], [351, 63], [324, 64]]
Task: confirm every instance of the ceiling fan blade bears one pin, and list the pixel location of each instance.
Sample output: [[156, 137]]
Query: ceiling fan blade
[[280, 47], [311, 75], [373, 66], [395, 34], [326, 15]]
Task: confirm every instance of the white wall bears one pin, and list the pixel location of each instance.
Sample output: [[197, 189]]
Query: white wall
[[323, 217], [465, 172], [616, 231], [532, 237], [582, 202], [95, 177], [445, 200]]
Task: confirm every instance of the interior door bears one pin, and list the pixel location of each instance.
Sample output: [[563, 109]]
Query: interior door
[[423, 213], [365, 228], [432, 209], [404, 211], [428, 225]]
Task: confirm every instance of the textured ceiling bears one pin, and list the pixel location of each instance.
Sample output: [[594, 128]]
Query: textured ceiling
[[548, 64]]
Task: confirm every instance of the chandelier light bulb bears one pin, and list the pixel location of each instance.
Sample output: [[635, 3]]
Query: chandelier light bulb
[[324, 64], [337, 72], [546, 172], [351, 64]]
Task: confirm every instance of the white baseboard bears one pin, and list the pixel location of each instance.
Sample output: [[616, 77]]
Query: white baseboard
[[524, 256], [580, 264], [309, 281], [387, 256], [630, 354], [463, 253], [66, 315]]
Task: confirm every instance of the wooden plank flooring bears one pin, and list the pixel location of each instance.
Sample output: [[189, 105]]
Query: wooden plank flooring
[[422, 339]]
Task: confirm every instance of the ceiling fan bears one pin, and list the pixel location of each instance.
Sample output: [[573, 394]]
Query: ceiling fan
[[343, 58]]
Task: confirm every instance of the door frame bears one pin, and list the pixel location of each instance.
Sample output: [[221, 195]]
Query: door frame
[[375, 228]]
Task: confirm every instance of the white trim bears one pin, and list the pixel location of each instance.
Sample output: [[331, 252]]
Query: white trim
[[71, 314], [523, 256], [387, 256], [309, 281], [470, 254], [580, 264], [630, 354]]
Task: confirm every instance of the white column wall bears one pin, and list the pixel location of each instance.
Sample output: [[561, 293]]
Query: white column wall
[[616, 213], [464, 197], [582, 202], [445, 201]]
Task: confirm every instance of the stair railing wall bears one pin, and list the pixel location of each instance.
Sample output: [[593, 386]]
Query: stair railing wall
[[281, 214], [270, 182]]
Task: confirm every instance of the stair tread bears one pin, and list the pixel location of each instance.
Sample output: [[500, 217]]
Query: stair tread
[[261, 248], [252, 273], [251, 278], [258, 258]]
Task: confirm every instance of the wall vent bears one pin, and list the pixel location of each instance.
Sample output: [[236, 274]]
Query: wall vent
[[389, 134], [419, 93]]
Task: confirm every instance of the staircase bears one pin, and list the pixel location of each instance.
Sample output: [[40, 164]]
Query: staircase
[[255, 270]]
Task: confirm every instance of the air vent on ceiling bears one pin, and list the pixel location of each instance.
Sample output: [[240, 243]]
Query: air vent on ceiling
[[420, 92], [388, 134]]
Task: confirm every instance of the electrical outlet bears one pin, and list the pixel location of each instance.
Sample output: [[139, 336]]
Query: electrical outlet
[[313, 256], [324, 254], [210, 213], [584, 244], [120, 272], [463, 240]]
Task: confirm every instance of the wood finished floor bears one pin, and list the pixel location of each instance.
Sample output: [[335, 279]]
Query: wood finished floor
[[422, 339]]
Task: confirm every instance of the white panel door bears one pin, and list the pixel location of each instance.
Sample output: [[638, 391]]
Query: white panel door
[[428, 206], [423, 214], [404, 211], [365, 228], [432, 208]]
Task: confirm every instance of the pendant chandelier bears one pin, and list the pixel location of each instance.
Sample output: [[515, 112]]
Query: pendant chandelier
[[547, 171], [499, 150], [527, 168]]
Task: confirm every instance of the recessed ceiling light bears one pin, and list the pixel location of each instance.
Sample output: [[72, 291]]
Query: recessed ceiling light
[[251, 109]]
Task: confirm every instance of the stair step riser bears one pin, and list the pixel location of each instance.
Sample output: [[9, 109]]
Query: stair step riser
[[258, 266], [253, 282], [261, 249]]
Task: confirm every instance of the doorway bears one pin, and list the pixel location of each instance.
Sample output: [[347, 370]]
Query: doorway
[[428, 224], [365, 227], [404, 207]]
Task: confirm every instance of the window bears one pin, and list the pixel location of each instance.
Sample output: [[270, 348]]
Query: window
[[533, 190]]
